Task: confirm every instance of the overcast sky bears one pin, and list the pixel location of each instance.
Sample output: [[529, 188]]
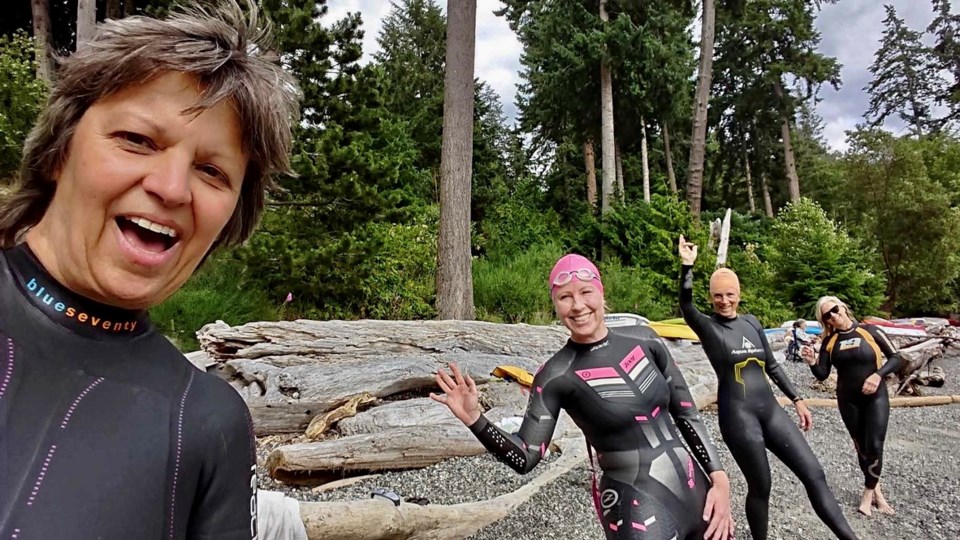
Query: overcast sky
[[851, 31]]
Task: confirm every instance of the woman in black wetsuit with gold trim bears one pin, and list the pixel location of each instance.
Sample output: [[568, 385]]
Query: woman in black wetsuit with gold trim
[[751, 420], [630, 400], [858, 351]]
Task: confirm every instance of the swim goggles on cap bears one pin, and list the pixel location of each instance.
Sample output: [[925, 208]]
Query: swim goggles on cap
[[583, 274]]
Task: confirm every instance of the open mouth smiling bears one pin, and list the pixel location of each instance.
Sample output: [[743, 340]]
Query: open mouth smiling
[[147, 235]]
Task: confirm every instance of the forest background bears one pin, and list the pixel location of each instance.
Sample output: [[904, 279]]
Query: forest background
[[355, 235]]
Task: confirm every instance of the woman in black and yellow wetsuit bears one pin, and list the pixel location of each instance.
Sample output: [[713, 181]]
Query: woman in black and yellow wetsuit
[[858, 351], [751, 420], [630, 400]]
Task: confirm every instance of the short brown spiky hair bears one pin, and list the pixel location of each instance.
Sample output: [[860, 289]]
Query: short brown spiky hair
[[226, 48]]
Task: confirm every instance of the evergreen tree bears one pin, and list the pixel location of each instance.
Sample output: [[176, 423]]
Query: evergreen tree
[[411, 54], [905, 79], [946, 28]]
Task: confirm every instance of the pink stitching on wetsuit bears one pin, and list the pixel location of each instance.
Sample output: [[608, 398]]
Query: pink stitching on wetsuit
[[686, 404], [176, 465], [43, 473], [639, 526], [9, 372], [655, 412], [73, 406]]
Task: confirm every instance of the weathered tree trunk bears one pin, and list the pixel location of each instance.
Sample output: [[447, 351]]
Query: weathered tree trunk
[[113, 10], [396, 449], [698, 140], [589, 163], [41, 33], [86, 21], [606, 124], [926, 401], [380, 520], [454, 273], [645, 158], [290, 372], [129, 8], [789, 160], [671, 176], [767, 203], [746, 163], [620, 189]]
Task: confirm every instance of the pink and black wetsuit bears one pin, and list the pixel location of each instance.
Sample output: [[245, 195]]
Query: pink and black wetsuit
[[629, 398], [106, 430]]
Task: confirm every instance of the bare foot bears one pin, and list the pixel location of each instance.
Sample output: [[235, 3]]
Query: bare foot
[[881, 503], [866, 503]]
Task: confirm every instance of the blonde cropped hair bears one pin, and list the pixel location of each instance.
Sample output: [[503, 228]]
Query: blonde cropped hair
[[225, 47]]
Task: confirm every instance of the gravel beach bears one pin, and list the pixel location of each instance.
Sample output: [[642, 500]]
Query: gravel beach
[[921, 479]]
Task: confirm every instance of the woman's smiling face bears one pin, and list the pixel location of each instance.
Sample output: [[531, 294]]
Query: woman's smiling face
[[143, 193]]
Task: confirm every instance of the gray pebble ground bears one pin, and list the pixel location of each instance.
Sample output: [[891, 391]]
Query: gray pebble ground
[[921, 479]]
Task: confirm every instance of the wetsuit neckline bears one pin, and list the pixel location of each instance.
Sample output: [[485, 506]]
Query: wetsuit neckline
[[722, 318], [587, 346], [74, 312], [848, 330]]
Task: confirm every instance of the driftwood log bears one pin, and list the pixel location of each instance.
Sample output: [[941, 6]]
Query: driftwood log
[[400, 435], [398, 448], [502, 398], [290, 372], [925, 401], [377, 519]]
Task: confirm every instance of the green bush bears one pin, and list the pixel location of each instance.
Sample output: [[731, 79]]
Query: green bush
[[378, 270], [639, 290], [812, 256], [514, 289], [514, 227], [401, 283], [761, 295], [221, 290], [21, 96]]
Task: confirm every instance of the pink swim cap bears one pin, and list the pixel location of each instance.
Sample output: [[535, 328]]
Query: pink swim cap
[[571, 263]]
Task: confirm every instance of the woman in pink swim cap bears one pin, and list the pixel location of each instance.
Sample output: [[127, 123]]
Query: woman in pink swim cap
[[618, 389]]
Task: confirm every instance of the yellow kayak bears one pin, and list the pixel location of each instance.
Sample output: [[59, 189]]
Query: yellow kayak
[[514, 373], [672, 329]]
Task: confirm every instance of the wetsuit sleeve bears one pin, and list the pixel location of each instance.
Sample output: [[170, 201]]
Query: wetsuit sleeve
[[892, 365], [697, 321], [523, 450], [684, 410], [773, 368], [225, 504], [821, 370]]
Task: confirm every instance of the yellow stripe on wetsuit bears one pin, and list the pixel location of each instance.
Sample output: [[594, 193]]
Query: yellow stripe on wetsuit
[[740, 365], [873, 344]]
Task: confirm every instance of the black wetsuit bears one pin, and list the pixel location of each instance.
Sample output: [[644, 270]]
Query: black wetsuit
[[857, 354], [625, 394], [751, 420], [106, 430]]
